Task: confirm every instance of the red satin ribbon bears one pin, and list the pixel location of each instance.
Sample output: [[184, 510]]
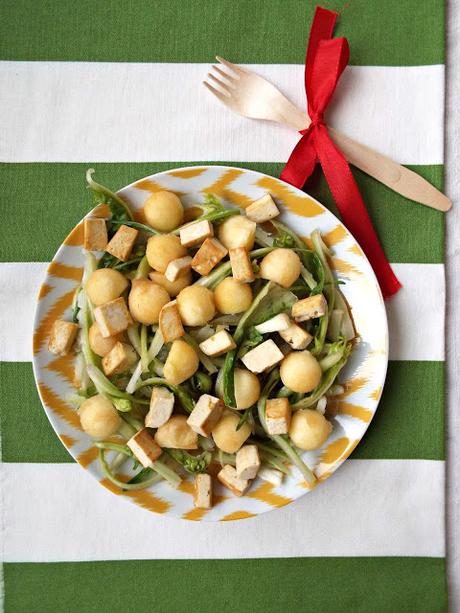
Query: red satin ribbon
[[327, 58]]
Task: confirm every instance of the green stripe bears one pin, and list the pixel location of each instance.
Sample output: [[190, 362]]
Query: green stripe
[[409, 422], [53, 196], [27, 435], [325, 585], [380, 33]]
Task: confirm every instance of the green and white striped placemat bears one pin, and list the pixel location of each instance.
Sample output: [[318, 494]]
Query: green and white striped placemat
[[117, 85]]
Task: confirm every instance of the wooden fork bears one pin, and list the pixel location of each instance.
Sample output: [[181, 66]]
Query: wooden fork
[[250, 95]]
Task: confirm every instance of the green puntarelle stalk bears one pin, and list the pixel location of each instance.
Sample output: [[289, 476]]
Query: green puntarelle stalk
[[182, 395], [279, 439], [327, 381], [143, 269], [224, 270], [97, 187], [156, 477], [103, 385]]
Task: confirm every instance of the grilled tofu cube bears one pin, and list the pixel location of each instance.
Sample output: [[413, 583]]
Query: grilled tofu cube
[[206, 414], [122, 242], [247, 462], [95, 234], [112, 317], [170, 322], [262, 357], [241, 265], [119, 359], [196, 233], [161, 407], [296, 337], [309, 308], [278, 415], [202, 491], [262, 209], [208, 255], [227, 476], [144, 448], [177, 268], [218, 343], [275, 324], [62, 337]]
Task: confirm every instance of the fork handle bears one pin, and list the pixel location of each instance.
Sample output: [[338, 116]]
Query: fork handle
[[395, 176]]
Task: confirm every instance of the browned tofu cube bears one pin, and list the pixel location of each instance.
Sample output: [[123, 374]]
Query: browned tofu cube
[[122, 242], [177, 268], [208, 255], [196, 233], [296, 337], [218, 344], [170, 322], [119, 359], [241, 265], [227, 476], [95, 234], [161, 407], [247, 462], [112, 317], [262, 209], [309, 308], [62, 337], [202, 491], [278, 415], [205, 415], [144, 448]]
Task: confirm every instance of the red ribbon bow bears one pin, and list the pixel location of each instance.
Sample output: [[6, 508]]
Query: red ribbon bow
[[327, 58]]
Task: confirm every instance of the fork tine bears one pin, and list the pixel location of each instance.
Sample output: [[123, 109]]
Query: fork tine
[[218, 94], [232, 79], [234, 67], [225, 87], [222, 84]]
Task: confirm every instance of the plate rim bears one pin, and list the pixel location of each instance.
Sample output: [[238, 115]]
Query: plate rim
[[370, 274]]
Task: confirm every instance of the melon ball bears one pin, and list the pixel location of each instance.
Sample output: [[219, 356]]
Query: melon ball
[[145, 301], [196, 305], [300, 371], [99, 344], [176, 434], [104, 285], [232, 296], [172, 287], [237, 231], [162, 249], [247, 388], [309, 429], [227, 437], [182, 362], [98, 417], [164, 211], [281, 266]]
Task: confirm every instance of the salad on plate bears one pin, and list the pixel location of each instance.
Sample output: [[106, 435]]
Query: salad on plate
[[208, 341]]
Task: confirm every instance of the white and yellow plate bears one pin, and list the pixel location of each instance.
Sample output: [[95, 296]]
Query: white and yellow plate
[[363, 377]]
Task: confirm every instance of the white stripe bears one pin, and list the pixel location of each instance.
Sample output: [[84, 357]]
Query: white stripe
[[370, 508], [20, 283], [415, 314], [114, 112]]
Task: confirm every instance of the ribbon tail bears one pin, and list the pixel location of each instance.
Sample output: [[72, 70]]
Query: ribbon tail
[[301, 162], [353, 210]]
